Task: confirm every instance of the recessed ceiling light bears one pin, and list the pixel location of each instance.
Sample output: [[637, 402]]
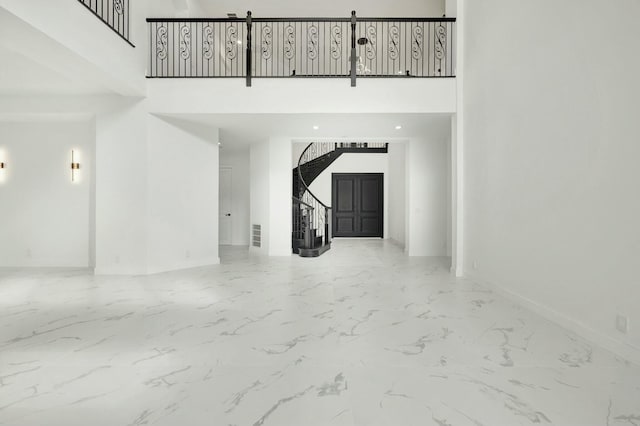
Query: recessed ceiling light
[[316, 127], [219, 143], [398, 127]]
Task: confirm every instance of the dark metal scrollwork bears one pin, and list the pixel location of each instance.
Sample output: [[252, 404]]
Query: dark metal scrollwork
[[185, 42], [312, 47], [232, 43], [394, 42], [161, 43], [336, 42], [207, 43], [267, 45], [416, 44], [289, 42], [441, 42], [118, 7], [372, 35]]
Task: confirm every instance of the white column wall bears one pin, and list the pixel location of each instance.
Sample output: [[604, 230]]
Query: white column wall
[[271, 191], [397, 200], [259, 190], [552, 152], [426, 197], [121, 190], [182, 195], [280, 193]]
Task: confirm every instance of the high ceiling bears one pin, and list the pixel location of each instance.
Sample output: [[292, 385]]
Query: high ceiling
[[20, 75], [289, 8], [238, 131], [328, 8]]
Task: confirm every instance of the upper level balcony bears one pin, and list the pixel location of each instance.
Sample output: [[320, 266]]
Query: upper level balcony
[[348, 48], [294, 65]]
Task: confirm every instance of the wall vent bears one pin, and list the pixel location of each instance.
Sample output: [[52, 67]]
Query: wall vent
[[256, 235]]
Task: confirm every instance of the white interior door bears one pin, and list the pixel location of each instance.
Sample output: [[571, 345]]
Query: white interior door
[[226, 197]]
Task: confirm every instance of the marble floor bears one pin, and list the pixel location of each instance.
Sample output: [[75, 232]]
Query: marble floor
[[361, 336]]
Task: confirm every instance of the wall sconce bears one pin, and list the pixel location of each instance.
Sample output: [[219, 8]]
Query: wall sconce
[[3, 167], [74, 166]]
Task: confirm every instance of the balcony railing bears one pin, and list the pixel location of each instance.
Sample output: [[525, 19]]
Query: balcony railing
[[302, 47], [114, 13]]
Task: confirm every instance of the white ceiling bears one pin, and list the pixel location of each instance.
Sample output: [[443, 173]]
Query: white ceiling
[[238, 131], [20, 75], [299, 8], [325, 8]]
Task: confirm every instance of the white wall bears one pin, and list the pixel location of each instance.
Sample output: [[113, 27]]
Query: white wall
[[328, 8], [182, 195], [270, 194], [297, 148], [397, 178], [259, 193], [449, 179], [280, 193], [451, 8], [144, 168], [552, 160], [273, 95], [239, 163], [45, 217], [426, 196], [354, 163], [48, 33], [121, 190]]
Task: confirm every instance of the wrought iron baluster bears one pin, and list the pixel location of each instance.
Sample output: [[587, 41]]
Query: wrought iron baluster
[[115, 14], [400, 47]]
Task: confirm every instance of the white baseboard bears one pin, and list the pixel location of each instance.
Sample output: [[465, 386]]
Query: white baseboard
[[617, 347], [119, 270], [186, 264], [397, 243], [157, 269]]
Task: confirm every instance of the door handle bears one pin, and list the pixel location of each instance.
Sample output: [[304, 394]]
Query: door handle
[[228, 214]]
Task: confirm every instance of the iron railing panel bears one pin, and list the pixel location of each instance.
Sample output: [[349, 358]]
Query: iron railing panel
[[114, 13], [302, 47]]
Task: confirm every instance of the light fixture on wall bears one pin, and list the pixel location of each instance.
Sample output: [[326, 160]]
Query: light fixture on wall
[[75, 166], [3, 166]]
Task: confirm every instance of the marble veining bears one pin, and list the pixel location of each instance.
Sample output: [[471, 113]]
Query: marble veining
[[360, 336]]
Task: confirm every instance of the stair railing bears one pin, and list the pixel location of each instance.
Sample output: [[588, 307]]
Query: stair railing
[[316, 215], [302, 213], [114, 13]]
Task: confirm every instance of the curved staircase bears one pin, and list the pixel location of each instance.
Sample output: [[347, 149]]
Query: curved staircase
[[311, 217]]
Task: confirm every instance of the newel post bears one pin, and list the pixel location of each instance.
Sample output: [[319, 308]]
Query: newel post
[[353, 48], [249, 48]]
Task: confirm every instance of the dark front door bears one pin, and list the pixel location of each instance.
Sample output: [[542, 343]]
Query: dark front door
[[357, 204]]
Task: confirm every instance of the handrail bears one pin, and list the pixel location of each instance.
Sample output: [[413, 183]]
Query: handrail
[[196, 20], [299, 201], [113, 13], [302, 180], [307, 19]]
